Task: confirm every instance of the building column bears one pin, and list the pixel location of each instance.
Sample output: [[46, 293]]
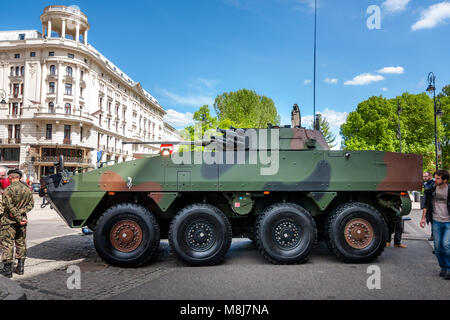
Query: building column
[[77, 34], [76, 89], [49, 29], [85, 37], [60, 88], [63, 33], [43, 84]]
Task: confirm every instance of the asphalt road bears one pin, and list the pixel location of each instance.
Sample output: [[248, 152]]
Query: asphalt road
[[410, 273]]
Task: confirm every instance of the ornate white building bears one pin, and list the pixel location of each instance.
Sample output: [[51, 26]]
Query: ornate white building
[[58, 95]]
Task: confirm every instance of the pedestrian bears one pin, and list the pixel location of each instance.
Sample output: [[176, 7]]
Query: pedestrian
[[396, 228], [17, 201], [4, 181], [428, 182], [437, 206]]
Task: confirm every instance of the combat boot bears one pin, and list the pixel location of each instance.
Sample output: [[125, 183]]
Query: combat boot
[[20, 267], [7, 270]]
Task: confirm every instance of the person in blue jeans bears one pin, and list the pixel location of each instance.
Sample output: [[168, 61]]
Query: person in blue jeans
[[437, 206]]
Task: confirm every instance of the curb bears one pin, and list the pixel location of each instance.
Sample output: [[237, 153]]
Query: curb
[[11, 290]]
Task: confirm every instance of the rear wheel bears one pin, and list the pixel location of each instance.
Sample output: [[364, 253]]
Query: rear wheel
[[285, 233], [127, 235], [356, 232], [200, 235]]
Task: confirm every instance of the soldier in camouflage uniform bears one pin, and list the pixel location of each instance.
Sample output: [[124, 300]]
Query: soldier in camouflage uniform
[[17, 201]]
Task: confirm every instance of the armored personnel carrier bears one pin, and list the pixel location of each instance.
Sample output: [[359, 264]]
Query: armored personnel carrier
[[281, 187]]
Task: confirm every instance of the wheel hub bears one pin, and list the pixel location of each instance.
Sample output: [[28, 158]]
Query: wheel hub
[[286, 234], [358, 233], [126, 236], [200, 236]]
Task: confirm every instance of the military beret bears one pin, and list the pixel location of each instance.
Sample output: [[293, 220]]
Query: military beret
[[15, 171]]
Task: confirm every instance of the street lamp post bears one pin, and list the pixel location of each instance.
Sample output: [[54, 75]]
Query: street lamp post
[[399, 130], [432, 89]]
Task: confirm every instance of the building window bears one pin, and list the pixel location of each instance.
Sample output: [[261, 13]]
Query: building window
[[81, 134], [52, 70], [51, 88], [69, 89], [81, 92], [99, 119], [70, 56], [15, 109], [17, 71], [67, 131], [22, 71], [69, 71], [16, 90], [33, 54], [81, 75], [51, 107], [12, 72], [21, 36], [51, 54], [17, 56], [48, 132], [68, 108], [10, 131], [17, 133]]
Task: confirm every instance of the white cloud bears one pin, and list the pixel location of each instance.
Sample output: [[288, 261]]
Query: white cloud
[[433, 16], [384, 89], [196, 101], [364, 79], [208, 82], [392, 6], [392, 70], [307, 81], [334, 118], [178, 119], [331, 80]]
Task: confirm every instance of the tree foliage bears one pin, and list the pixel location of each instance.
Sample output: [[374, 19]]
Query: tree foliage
[[325, 128], [374, 126], [246, 109]]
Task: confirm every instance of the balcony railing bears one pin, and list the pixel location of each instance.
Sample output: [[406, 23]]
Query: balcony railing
[[13, 141], [53, 159], [67, 141]]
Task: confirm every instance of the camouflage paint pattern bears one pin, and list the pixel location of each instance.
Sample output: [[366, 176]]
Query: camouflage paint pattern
[[305, 165]]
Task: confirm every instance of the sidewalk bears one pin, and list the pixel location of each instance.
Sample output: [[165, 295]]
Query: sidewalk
[[11, 290]]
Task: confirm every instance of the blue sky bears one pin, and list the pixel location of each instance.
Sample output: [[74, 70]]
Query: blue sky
[[185, 53]]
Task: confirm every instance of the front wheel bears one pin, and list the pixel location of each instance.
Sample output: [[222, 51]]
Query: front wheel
[[126, 235]]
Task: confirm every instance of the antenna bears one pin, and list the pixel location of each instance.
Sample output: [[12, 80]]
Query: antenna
[[315, 58]]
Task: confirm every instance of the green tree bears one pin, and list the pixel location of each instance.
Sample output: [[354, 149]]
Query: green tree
[[325, 128], [246, 109], [373, 126], [444, 98]]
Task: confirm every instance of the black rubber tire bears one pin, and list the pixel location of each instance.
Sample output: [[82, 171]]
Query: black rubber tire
[[150, 235], [220, 228], [336, 223], [265, 228]]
